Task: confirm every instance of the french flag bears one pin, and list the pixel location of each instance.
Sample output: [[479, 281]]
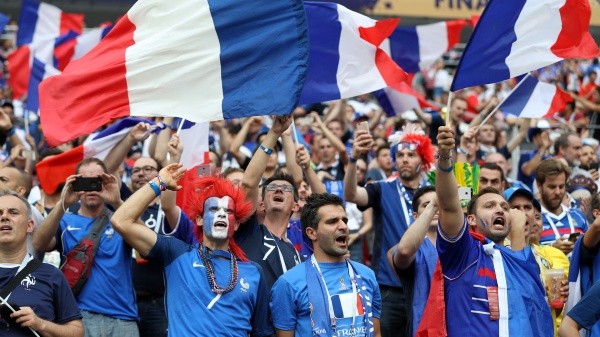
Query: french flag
[[345, 55], [3, 22], [534, 99], [395, 101], [515, 37], [70, 49], [355, 5], [202, 60], [39, 72], [19, 70], [40, 21], [53, 171], [417, 48]]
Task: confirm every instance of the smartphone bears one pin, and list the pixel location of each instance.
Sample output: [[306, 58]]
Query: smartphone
[[204, 171], [574, 236], [465, 193], [363, 126], [5, 313], [87, 184]]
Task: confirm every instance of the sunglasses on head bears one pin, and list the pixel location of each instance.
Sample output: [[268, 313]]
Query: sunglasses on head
[[407, 146]]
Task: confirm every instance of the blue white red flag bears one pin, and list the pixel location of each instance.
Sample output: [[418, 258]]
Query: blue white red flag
[[355, 5], [395, 101], [201, 60], [345, 55], [417, 48], [515, 37], [39, 72], [194, 137], [54, 170], [19, 70], [39, 22], [534, 99], [71, 49]]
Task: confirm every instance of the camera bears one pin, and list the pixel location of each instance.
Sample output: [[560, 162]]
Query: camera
[[5, 313], [87, 184]]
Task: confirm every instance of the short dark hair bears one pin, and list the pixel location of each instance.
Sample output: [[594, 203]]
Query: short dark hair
[[551, 168], [281, 176], [472, 207], [419, 193], [381, 148], [495, 167], [88, 161], [309, 216], [231, 170]]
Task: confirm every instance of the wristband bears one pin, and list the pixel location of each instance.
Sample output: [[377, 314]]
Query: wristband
[[446, 170], [352, 159], [11, 131], [440, 156], [266, 150], [154, 187], [462, 150], [161, 184]]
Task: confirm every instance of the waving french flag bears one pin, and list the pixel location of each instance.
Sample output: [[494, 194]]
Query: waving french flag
[[345, 55], [417, 48], [54, 170], [395, 101], [70, 48], [534, 99], [201, 60], [39, 72], [515, 37], [40, 21]]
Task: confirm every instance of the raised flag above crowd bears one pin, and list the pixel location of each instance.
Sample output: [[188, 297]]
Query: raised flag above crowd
[[244, 62], [534, 99], [515, 37], [345, 55]]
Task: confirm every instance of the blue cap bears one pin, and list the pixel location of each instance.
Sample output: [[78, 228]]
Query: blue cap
[[511, 192]]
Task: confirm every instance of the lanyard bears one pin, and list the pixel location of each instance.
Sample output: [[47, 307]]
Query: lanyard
[[553, 225], [28, 257], [406, 202], [332, 318]]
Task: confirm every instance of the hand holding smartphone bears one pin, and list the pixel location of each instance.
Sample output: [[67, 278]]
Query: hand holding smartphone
[[363, 126], [87, 184]]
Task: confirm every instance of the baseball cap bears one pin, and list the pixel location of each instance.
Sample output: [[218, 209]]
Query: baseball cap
[[511, 192]]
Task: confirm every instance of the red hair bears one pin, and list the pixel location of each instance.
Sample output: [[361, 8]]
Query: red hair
[[425, 150], [203, 188]]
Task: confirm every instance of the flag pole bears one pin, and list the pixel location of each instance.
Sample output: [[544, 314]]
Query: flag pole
[[180, 126], [293, 126], [499, 104], [448, 120]]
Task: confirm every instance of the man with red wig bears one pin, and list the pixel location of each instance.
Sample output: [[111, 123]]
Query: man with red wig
[[211, 286], [392, 206]]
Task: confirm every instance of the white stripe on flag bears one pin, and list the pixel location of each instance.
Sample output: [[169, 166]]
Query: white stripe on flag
[[99, 148], [357, 56], [87, 41], [537, 29], [175, 62], [433, 42], [540, 101], [502, 294], [195, 143]]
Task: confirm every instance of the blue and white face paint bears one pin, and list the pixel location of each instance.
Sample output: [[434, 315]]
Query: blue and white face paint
[[219, 218]]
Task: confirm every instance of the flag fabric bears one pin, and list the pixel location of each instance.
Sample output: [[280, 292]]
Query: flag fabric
[[71, 49], [39, 71], [201, 60], [355, 5], [515, 37], [19, 70], [535, 99], [53, 171], [417, 48], [345, 55], [395, 102], [3, 22], [40, 21], [194, 137]]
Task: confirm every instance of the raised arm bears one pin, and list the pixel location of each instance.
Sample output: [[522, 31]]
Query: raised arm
[[126, 220], [516, 140], [335, 141], [336, 111], [303, 160], [451, 214], [289, 148], [44, 236], [115, 157], [162, 143], [422, 116], [591, 238], [352, 192], [240, 137], [529, 167], [168, 197], [258, 163], [412, 239]]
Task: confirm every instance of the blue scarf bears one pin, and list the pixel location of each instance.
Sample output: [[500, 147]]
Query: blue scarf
[[322, 324]]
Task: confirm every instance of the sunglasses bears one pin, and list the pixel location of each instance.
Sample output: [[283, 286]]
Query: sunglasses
[[275, 187], [407, 146]]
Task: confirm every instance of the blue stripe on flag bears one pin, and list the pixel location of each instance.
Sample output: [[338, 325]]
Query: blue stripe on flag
[[38, 69], [338, 308], [515, 103], [186, 124], [106, 30], [27, 21], [484, 58], [385, 103], [274, 72], [324, 30], [3, 21], [128, 122], [404, 46]]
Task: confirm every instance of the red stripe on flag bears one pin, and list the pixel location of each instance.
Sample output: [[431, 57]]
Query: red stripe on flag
[[64, 53], [574, 39], [71, 22], [485, 272], [558, 102], [19, 70], [206, 157], [71, 105], [53, 171], [392, 73], [360, 310], [454, 28]]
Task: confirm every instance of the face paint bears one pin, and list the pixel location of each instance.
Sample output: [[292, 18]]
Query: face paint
[[483, 223], [218, 218]]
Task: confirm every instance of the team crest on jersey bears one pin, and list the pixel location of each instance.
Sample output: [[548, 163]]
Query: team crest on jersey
[[28, 281], [343, 285], [244, 285]]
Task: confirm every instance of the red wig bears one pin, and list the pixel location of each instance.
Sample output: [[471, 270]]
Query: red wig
[[425, 149], [203, 188]]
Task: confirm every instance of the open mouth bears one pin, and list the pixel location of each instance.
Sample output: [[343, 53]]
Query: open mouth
[[342, 239], [498, 222], [278, 198], [220, 224]]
